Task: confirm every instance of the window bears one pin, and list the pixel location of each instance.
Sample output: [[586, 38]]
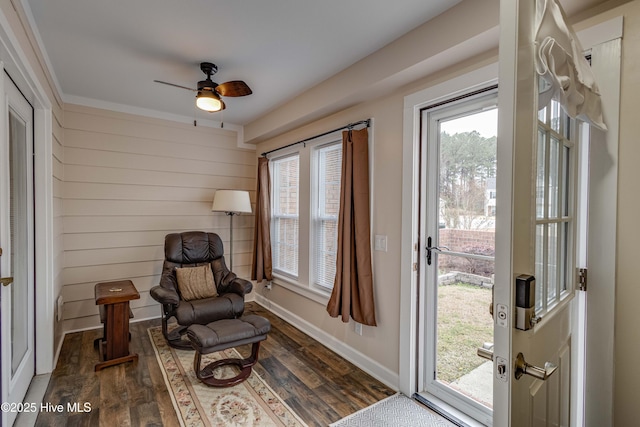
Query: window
[[554, 207], [285, 215], [305, 188], [327, 206]]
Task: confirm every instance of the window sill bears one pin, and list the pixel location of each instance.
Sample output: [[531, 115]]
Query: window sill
[[317, 295]]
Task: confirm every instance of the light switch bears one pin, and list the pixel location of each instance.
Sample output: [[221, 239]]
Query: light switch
[[380, 243]]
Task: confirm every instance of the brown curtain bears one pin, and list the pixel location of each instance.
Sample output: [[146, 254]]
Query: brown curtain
[[352, 293], [261, 268]]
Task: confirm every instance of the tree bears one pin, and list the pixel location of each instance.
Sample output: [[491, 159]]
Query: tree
[[466, 161]]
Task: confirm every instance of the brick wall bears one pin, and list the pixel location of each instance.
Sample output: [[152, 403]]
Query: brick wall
[[460, 240], [479, 242]]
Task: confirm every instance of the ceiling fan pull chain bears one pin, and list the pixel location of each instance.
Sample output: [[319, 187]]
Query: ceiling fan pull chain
[[195, 113]]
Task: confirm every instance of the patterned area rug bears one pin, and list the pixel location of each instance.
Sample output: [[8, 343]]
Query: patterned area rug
[[394, 411], [251, 403]]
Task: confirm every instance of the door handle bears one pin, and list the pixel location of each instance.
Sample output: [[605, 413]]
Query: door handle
[[6, 281], [430, 248], [491, 303], [522, 367], [486, 351]]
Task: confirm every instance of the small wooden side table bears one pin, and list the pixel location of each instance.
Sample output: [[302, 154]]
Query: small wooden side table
[[114, 347]]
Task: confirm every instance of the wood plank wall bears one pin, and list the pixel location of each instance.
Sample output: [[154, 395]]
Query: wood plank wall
[[130, 180]]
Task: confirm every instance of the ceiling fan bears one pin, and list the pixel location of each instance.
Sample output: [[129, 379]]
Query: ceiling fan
[[209, 92]]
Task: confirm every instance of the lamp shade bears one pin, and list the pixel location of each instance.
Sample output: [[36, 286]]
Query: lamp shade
[[236, 201]]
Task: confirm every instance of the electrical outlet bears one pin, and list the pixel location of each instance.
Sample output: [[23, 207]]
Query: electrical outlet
[[358, 328], [60, 305], [268, 286]]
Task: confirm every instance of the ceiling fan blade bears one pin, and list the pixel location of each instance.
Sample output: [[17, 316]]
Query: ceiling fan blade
[[234, 88], [175, 85]]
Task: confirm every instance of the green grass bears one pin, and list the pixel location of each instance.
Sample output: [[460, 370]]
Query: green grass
[[464, 324]]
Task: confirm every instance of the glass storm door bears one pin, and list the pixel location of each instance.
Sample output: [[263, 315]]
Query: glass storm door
[[459, 145], [16, 240]]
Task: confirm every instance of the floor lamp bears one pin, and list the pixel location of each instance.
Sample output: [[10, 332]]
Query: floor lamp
[[231, 202]]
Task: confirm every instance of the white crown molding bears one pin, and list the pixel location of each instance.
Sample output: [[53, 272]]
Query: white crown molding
[[155, 114], [139, 111]]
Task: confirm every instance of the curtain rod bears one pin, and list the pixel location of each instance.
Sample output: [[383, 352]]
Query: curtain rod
[[349, 126]]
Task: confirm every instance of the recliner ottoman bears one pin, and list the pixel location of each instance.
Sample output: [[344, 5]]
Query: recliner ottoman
[[223, 334]]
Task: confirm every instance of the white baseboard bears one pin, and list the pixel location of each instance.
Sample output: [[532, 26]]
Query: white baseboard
[[58, 349], [251, 296], [362, 361]]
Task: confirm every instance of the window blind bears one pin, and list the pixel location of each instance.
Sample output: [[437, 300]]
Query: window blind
[[329, 165], [285, 216]]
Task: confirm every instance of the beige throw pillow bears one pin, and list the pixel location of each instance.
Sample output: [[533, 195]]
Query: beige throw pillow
[[196, 282]]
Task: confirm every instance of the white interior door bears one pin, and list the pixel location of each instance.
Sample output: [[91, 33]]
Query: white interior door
[[537, 156], [16, 240]]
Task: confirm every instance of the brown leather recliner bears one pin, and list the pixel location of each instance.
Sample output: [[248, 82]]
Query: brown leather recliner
[[191, 249]]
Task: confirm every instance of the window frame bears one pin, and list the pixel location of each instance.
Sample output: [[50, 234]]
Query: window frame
[[304, 283], [275, 203], [316, 196], [559, 213]]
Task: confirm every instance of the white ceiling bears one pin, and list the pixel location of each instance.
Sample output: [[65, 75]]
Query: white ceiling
[[112, 51], [109, 52]]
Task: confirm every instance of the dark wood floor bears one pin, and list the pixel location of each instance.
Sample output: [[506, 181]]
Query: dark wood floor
[[320, 386]]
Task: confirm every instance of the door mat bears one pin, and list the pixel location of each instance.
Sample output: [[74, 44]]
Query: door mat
[[394, 411]]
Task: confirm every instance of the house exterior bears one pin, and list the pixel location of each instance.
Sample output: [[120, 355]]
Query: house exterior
[[490, 198], [112, 181]]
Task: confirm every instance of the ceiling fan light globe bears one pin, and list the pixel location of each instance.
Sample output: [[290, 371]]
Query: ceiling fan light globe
[[207, 101]]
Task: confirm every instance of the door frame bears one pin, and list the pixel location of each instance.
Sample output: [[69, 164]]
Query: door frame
[[412, 248], [605, 42], [14, 60]]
